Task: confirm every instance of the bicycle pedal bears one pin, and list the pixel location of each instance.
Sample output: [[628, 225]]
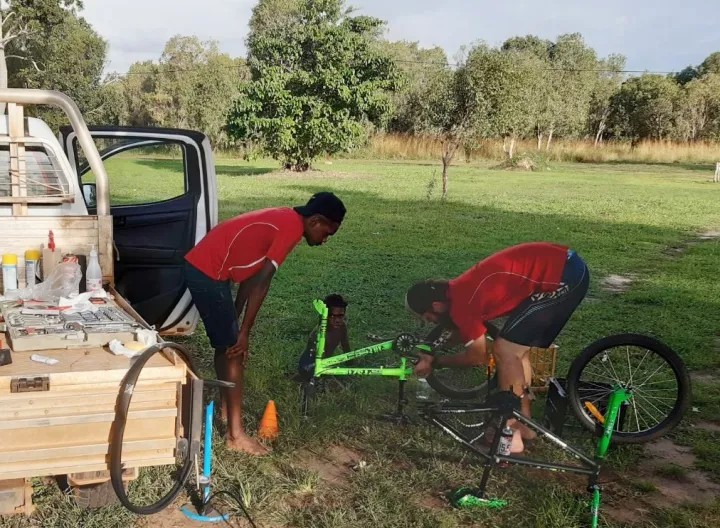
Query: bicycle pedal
[[468, 498]]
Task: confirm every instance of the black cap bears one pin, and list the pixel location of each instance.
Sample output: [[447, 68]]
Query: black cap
[[323, 203]]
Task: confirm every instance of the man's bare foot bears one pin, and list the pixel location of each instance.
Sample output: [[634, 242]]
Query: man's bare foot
[[246, 444], [525, 431], [517, 445]]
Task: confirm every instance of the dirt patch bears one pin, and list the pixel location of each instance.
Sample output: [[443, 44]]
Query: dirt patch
[[708, 426], [617, 283], [668, 452], [431, 501], [625, 514], [709, 235], [334, 465], [172, 517], [705, 377], [662, 490]]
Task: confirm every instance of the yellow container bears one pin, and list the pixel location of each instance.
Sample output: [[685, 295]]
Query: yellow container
[[9, 259], [32, 259]]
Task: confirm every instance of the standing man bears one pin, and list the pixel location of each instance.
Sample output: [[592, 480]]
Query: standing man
[[538, 285], [248, 249]]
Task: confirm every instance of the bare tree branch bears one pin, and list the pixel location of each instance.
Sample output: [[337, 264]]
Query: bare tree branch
[[13, 36], [27, 59], [8, 17]]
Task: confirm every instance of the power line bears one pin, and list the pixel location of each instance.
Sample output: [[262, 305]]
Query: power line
[[161, 70]]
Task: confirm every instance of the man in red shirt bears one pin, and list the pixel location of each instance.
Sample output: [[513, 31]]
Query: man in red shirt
[[538, 285], [247, 249]]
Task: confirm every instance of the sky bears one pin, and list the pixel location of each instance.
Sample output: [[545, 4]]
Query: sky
[[654, 35]]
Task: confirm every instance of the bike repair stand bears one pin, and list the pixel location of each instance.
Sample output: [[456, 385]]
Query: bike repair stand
[[399, 417], [204, 513]]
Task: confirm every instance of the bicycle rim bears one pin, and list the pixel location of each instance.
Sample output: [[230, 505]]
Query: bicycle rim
[[656, 376]]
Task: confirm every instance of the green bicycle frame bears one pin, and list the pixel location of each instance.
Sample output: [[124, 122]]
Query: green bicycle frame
[[326, 367], [615, 400]]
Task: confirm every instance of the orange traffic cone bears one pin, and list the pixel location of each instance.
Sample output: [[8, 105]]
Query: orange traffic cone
[[268, 426]]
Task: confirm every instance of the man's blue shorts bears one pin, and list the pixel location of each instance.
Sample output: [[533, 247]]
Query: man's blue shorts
[[215, 303]]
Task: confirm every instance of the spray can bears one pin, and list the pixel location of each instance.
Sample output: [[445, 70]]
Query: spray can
[[505, 444], [9, 272], [32, 257]]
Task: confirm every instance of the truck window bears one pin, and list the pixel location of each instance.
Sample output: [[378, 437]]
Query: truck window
[[43, 173], [142, 174]]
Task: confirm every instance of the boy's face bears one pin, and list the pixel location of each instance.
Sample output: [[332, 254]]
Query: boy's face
[[336, 317]]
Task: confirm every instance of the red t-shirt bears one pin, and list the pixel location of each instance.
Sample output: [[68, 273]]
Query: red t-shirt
[[236, 248], [498, 283]]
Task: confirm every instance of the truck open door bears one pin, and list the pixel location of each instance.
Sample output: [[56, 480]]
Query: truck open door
[[163, 200]]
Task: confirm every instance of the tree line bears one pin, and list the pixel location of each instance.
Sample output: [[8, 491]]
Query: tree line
[[319, 79]]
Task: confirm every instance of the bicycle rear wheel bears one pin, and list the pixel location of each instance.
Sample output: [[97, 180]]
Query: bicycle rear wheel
[[460, 383], [652, 371]]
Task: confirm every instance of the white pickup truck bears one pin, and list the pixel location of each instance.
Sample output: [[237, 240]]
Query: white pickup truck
[[55, 419]]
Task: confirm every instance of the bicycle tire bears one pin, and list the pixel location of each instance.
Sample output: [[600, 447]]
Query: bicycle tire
[[448, 341], [477, 392], [656, 346]]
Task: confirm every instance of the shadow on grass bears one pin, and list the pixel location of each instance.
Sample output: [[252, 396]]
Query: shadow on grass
[[177, 166]]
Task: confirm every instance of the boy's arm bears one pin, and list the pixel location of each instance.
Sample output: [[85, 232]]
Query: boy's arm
[[251, 292], [344, 341]]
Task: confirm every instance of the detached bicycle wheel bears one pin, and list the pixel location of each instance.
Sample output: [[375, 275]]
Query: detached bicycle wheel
[[458, 383], [651, 370]]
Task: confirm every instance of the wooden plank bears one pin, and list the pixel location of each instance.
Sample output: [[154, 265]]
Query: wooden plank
[[51, 466], [85, 434], [44, 400], [87, 366], [84, 419], [82, 467], [78, 451], [105, 249], [13, 110], [108, 389], [51, 410], [37, 199], [73, 234]]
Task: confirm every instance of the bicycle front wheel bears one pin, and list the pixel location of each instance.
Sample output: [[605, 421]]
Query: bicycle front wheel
[[652, 371]]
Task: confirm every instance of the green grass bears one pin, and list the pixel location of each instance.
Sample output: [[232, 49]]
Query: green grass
[[620, 219]]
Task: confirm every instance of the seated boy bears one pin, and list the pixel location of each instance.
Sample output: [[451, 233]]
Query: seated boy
[[336, 334]]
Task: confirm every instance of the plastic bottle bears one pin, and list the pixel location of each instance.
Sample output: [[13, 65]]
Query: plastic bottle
[[9, 272], [32, 257], [93, 275], [424, 391]]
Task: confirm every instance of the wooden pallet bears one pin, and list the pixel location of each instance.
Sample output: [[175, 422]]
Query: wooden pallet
[[66, 428]]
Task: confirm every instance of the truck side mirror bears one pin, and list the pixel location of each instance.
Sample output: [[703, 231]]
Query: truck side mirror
[[90, 194]]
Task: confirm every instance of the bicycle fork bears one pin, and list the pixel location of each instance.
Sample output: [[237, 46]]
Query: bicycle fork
[[616, 399]]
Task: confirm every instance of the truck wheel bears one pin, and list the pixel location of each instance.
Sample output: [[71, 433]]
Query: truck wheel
[[95, 495]]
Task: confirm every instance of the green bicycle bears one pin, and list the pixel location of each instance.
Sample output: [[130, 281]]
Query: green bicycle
[[655, 374]]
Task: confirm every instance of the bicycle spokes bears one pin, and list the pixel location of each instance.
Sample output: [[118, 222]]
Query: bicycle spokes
[[648, 376]]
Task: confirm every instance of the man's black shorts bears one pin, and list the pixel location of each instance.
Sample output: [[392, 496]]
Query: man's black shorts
[[538, 320]]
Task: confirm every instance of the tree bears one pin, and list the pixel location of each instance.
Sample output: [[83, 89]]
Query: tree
[[644, 107], [505, 82], [686, 75], [444, 107], [24, 22], [416, 67], [316, 86], [573, 74], [193, 87], [711, 64], [70, 58], [606, 85], [699, 115]]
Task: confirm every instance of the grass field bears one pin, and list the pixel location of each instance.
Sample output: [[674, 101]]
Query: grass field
[[639, 221]]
